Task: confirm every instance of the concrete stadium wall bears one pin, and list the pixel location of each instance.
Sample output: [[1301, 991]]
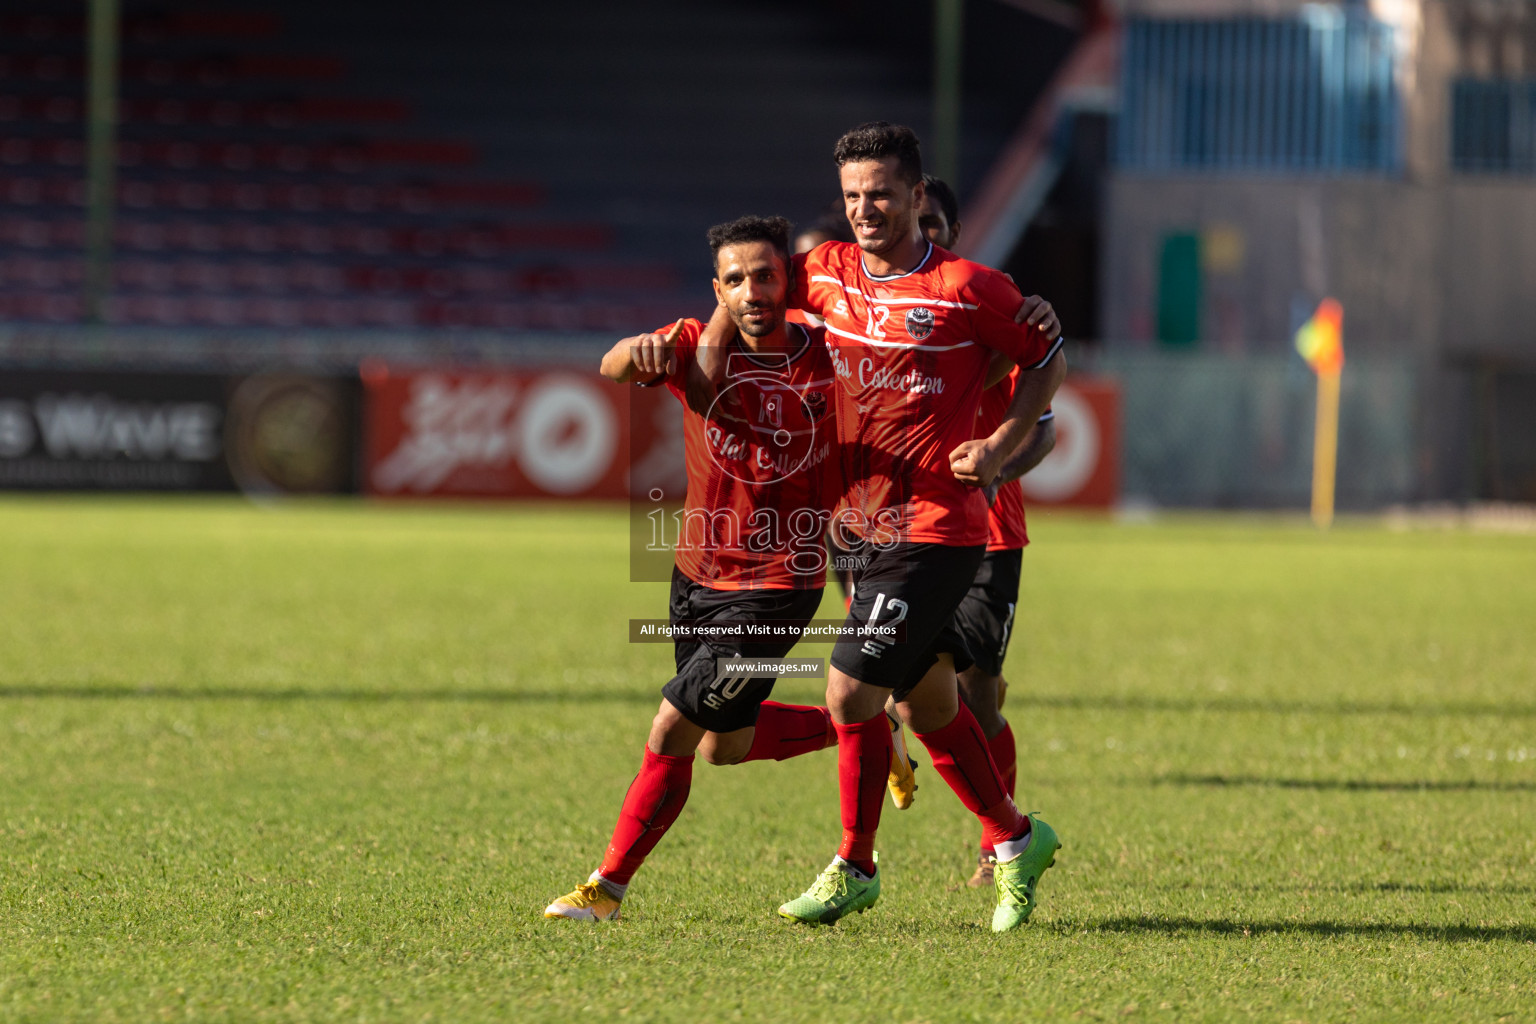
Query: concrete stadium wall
[[1439, 280], [1214, 431], [1424, 272], [1489, 270]]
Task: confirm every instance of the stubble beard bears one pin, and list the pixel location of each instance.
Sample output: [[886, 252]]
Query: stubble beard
[[880, 246], [761, 330]]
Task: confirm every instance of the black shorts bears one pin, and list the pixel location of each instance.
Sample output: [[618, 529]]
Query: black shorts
[[917, 586], [724, 705], [984, 619]]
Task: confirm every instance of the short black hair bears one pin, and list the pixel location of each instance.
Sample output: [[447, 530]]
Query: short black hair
[[876, 140], [773, 230], [937, 188]]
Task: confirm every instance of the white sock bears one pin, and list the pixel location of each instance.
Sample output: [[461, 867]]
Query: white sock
[[613, 888], [855, 872], [1013, 847]]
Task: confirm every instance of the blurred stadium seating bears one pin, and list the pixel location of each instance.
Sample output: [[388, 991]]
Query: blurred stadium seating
[[293, 165]]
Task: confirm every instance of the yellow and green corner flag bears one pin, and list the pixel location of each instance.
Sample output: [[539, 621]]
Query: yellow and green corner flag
[[1321, 343]]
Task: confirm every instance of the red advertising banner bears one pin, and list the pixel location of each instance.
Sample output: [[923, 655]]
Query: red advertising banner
[[567, 433], [554, 432], [1084, 468]]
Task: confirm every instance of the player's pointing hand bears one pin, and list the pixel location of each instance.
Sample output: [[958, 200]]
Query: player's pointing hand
[[1037, 313]]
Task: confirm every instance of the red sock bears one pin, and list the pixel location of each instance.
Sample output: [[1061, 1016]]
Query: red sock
[[787, 730], [1006, 756], [863, 762], [653, 802], [961, 758]]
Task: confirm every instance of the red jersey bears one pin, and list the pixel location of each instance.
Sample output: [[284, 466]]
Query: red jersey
[[761, 471], [911, 353], [1005, 520]]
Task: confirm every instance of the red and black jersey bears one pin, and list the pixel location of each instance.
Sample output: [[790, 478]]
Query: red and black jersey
[[1005, 520], [762, 471], [911, 353]]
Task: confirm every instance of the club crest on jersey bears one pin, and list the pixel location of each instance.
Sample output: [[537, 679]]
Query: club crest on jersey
[[919, 322], [815, 405]]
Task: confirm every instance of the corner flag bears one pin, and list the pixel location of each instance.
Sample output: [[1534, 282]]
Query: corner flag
[[1321, 339], [1321, 343]]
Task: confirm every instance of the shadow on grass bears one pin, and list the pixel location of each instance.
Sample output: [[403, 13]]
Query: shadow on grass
[[1345, 785], [575, 694], [1224, 705], [1378, 888], [1187, 926]]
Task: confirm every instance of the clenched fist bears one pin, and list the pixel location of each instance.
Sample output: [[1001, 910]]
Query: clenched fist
[[975, 463], [656, 353]]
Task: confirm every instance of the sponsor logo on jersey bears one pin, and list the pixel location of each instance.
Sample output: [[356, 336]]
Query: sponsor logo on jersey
[[888, 379], [919, 322]]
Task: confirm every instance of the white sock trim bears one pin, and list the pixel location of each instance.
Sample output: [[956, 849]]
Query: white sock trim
[[613, 888], [1012, 848], [848, 867]]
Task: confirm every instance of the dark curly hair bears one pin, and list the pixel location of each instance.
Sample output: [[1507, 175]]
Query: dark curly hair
[[876, 140], [773, 230]]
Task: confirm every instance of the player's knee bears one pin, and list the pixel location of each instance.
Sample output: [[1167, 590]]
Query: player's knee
[[853, 701], [672, 735], [662, 728], [717, 750], [840, 688], [977, 695], [979, 691]]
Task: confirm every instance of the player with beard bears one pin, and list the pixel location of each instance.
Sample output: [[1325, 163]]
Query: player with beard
[[912, 330], [762, 479], [986, 614]]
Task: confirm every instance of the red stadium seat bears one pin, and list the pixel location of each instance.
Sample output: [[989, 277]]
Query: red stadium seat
[[183, 25], [255, 188]]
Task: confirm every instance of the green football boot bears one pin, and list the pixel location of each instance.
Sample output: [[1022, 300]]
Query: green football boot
[[837, 891], [1016, 878]]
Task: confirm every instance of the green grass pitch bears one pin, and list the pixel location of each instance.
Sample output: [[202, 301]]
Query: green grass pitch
[[329, 762]]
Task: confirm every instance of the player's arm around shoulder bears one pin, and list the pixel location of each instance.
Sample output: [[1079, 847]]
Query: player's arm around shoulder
[[713, 342], [979, 462], [811, 277], [1024, 329], [644, 358]]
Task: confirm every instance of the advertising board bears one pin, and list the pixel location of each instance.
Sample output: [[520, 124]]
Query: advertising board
[[114, 430]]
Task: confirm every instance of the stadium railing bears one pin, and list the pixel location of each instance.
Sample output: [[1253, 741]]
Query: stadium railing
[[1313, 93]]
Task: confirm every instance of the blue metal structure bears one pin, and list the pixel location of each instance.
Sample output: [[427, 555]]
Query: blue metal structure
[[1314, 93]]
